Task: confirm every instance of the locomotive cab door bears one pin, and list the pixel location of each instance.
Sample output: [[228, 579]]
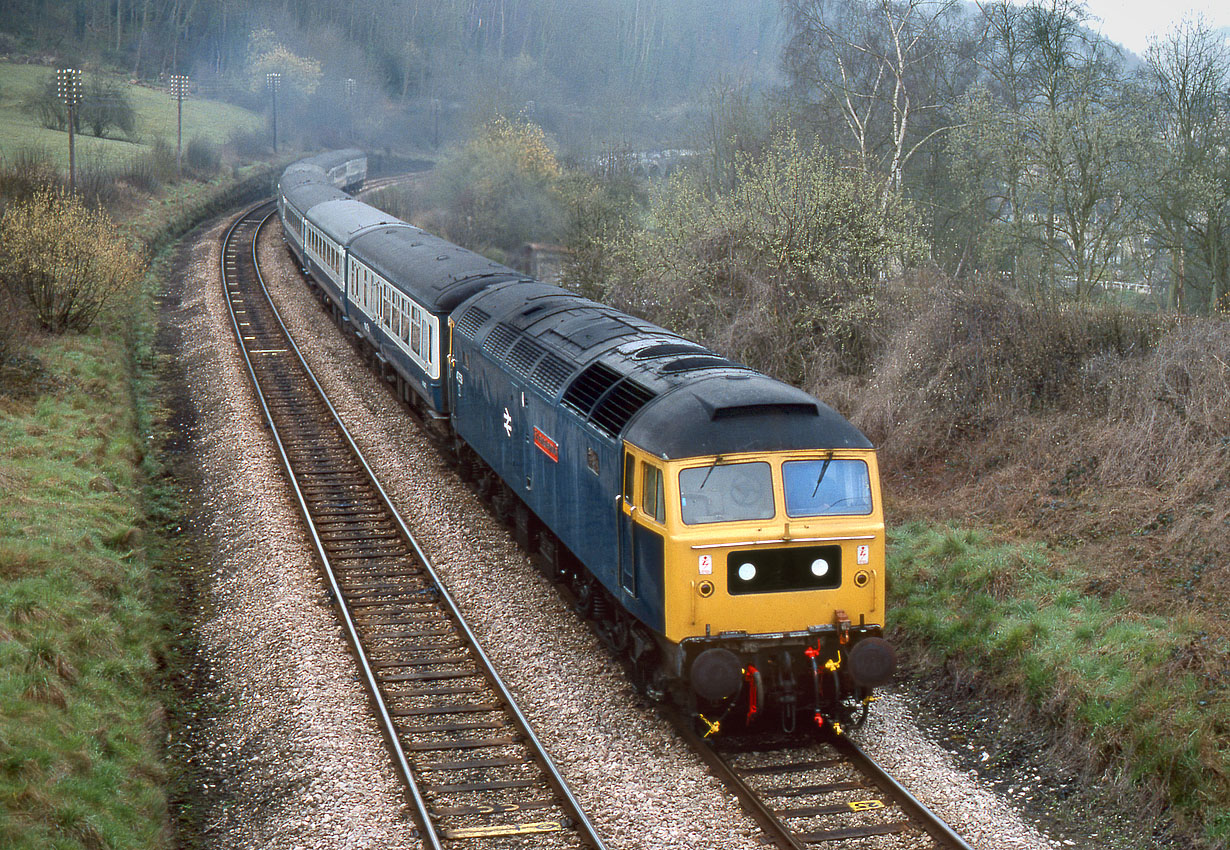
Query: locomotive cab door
[[627, 507]]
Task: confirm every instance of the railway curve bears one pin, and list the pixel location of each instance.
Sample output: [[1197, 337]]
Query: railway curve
[[472, 767]]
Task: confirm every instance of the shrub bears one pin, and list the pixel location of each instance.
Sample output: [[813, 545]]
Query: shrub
[[970, 358], [500, 190], [65, 260], [44, 106], [26, 171], [150, 170], [249, 144], [202, 157], [106, 105], [782, 271]]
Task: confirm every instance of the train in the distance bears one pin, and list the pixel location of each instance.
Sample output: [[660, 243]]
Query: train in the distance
[[723, 530]]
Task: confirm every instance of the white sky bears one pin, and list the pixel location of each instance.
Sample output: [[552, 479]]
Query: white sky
[[1131, 22]]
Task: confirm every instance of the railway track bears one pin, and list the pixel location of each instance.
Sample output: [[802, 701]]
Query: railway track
[[820, 791], [475, 774]]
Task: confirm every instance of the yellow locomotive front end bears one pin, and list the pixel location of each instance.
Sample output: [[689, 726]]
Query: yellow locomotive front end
[[773, 580]]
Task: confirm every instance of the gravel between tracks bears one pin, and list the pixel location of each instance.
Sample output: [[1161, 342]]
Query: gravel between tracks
[[310, 765]]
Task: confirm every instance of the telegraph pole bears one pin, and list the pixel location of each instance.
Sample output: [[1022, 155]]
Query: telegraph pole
[[179, 91], [351, 88], [68, 86], [273, 82]]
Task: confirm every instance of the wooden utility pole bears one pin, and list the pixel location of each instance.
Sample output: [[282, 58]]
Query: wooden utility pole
[[68, 85], [273, 82], [179, 91]]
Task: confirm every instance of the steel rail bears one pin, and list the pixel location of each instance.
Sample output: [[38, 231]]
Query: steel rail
[[771, 821], [444, 596], [585, 828], [927, 819]]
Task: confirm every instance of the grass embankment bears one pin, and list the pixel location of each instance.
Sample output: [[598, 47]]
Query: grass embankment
[[79, 715], [87, 596], [1124, 685], [155, 113]]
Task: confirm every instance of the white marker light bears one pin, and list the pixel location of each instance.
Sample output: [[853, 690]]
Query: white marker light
[[819, 567], [747, 572]]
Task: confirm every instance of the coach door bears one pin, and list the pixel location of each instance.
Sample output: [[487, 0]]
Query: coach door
[[627, 543]]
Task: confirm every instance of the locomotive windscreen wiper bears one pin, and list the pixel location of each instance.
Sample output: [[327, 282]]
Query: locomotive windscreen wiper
[[823, 469], [717, 460]]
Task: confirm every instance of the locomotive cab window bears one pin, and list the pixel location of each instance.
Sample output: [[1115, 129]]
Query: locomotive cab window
[[726, 492], [826, 487], [653, 499], [629, 479]]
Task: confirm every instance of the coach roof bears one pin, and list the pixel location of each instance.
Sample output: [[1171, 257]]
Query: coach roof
[[343, 219], [436, 273]]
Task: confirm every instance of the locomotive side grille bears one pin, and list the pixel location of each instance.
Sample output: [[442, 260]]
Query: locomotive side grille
[[620, 405], [500, 340], [583, 393], [551, 373], [472, 321], [524, 355]]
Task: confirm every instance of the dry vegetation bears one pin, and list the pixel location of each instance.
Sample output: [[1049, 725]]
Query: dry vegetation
[[1102, 429]]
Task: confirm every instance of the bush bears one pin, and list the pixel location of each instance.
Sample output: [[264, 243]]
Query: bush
[[150, 170], [249, 144], [781, 272], [970, 358], [65, 260], [106, 105], [44, 106], [202, 157], [500, 190], [26, 171]]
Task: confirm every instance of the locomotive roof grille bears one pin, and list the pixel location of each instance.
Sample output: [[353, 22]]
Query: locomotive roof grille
[[500, 340], [620, 405], [472, 321], [551, 373], [792, 409], [524, 355]]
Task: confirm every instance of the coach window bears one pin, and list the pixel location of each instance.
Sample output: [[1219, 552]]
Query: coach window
[[653, 497]]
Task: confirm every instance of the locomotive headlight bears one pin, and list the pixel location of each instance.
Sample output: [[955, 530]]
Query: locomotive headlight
[[819, 568], [747, 572]]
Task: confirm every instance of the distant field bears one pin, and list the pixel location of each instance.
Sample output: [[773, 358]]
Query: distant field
[[155, 110]]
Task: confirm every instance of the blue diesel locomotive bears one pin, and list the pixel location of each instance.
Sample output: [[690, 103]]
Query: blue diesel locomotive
[[723, 530]]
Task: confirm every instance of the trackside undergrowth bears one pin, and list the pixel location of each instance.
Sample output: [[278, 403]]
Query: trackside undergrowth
[[1125, 686], [79, 715], [90, 645]]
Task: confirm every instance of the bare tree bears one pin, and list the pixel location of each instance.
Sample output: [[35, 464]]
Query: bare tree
[[864, 57], [1188, 188]]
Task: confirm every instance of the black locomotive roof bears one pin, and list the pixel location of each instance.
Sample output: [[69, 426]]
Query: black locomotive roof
[[634, 380], [437, 273], [716, 414], [344, 218]]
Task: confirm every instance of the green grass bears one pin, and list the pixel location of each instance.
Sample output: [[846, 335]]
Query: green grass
[[155, 118], [1148, 693], [79, 716]]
